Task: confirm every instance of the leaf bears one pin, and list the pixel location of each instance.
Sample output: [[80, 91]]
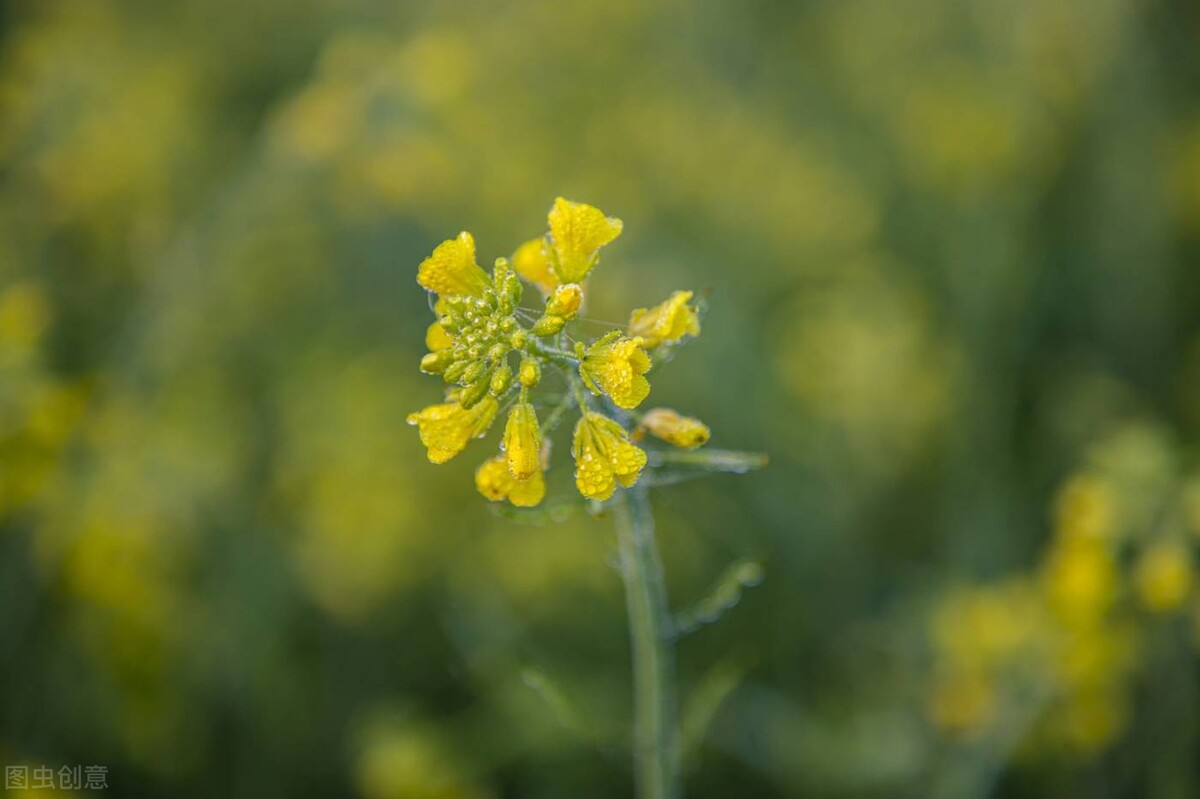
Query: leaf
[[560, 707], [710, 460], [724, 595], [705, 701]]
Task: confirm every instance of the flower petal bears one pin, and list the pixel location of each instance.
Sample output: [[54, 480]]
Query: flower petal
[[577, 232], [451, 269], [447, 428]]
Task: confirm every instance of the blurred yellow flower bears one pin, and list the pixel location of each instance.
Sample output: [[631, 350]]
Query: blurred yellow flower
[[494, 480], [531, 262], [1090, 720], [1163, 577], [675, 429], [1080, 579], [666, 322], [522, 441], [1094, 656], [406, 761], [446, 429], [603, 456], [988, 626], [451, 269], [614, 365], [577, 232]]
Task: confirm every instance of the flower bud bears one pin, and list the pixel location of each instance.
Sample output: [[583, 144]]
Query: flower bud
[[455, 371], [565, 301], [677, 430], [497, 352], [530, 373], [436, 362], [548, 326], [474, 372], [501, 379], [471, 395], [512, 288]]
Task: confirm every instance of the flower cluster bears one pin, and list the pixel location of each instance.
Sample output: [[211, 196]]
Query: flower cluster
[[492, 353]]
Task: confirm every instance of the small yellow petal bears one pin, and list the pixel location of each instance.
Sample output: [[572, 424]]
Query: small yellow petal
[[523, 441], [674, 428], [531, 262], [577, 232], [666, 322], [493, 480], [436, 338], [451, 269], [616, 365], [530, 492], [446, 429]]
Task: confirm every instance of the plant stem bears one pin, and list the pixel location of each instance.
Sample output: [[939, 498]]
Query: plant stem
[[656, 727]]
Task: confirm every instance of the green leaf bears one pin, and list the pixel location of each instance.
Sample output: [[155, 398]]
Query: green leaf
[[705, 701], [724, 595], [709, 460]]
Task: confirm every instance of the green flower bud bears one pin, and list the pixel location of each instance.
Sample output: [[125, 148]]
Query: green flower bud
[[474, 372], [548, 326], [455, 370], [501, 379], [472, 394], [436, 362], [512, 288], [530, 373]]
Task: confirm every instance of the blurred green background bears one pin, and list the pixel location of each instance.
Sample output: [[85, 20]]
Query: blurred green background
[[951, 249]]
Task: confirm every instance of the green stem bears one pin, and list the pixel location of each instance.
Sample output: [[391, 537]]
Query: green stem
[[551, 353], [656, 726]]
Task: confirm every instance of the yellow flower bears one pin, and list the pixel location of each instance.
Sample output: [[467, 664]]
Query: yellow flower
[[530, 262], [615, 365], [1164, 577], [523, 441], [577, 232], [495, 481], [675, 429], [446, 429], [668, 321], [1080, 580], [451, 269], [603, 455]]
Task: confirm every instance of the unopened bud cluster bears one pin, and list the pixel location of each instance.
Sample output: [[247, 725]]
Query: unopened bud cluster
[[483, 331]]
